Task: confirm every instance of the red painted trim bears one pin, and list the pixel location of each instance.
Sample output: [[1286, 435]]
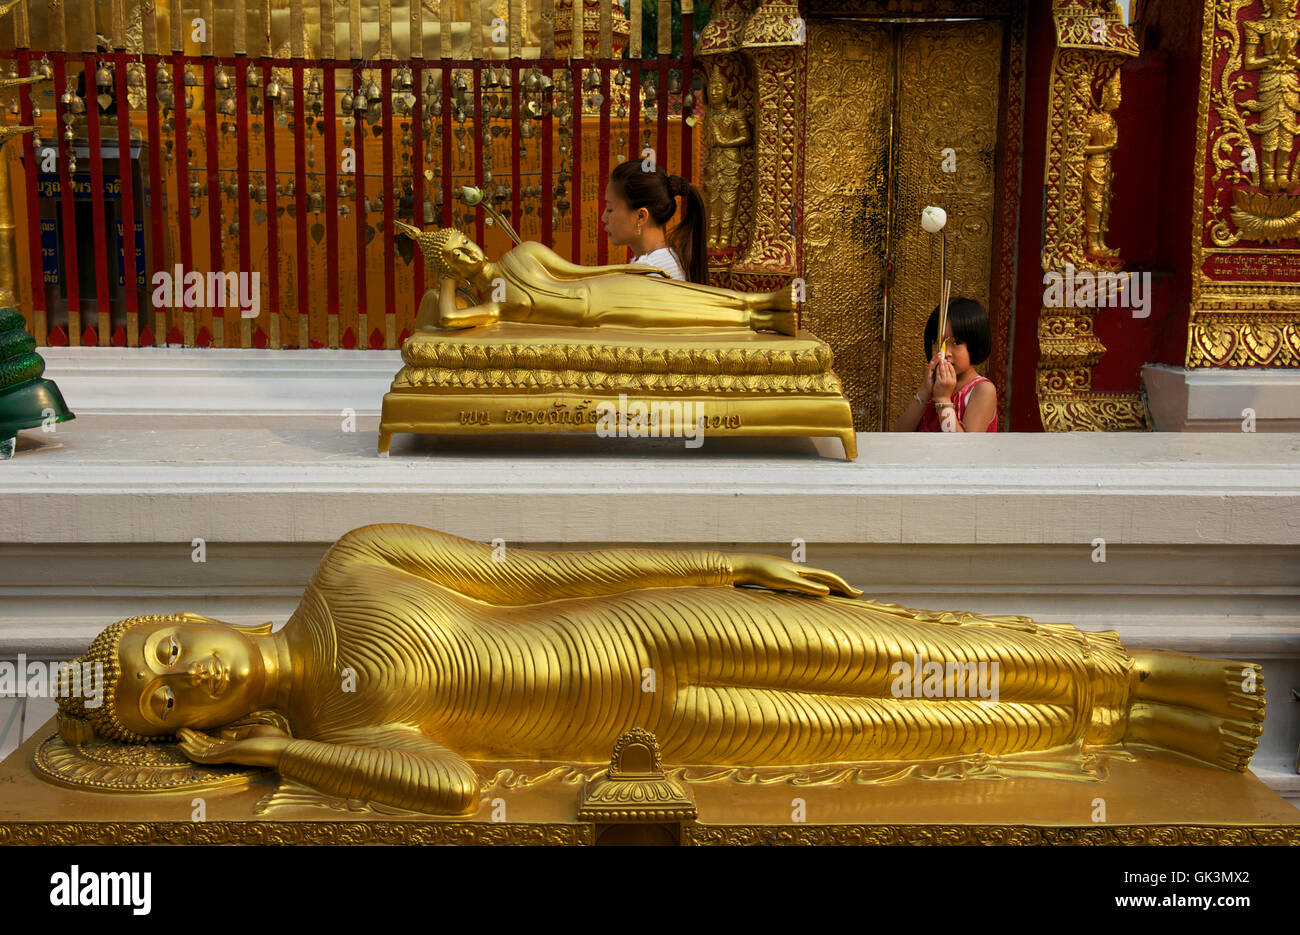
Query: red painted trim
[[180, 152], [272, 218], [548, 146], [575, 166], [417, 169], [241, 176], [216, 255], [300, 192], [602, 243], [331, 194], [130, 261], [390, 245], [70, 271]]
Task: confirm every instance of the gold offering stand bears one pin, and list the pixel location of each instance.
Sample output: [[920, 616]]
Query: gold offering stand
[[518, 377]]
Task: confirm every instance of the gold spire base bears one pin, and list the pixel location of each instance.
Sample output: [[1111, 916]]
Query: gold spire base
[[636, 788]]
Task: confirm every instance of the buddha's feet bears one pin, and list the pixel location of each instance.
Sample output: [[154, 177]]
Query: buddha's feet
[[1212, 709], [780, 322]]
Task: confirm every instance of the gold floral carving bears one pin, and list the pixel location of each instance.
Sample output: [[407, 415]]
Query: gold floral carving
[[1230, 340], [1091, 44], [136, 768], [1245, 304], [503, 833], [722, 34], [1168, 835], [293, 832], [772, 40]]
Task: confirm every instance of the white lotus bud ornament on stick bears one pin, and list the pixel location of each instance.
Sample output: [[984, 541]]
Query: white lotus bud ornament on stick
[[933, 221]]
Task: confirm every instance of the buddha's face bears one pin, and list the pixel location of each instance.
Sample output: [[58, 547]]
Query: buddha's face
[[463, 256], [175, 675]]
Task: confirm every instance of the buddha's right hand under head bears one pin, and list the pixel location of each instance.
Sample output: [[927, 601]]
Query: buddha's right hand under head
[[252, 751], [782, 575]]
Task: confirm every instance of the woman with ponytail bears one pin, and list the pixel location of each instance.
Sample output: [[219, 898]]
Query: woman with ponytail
[[638, 206]]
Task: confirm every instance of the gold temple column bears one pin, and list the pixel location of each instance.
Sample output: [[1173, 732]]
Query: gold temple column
[[1091, 44], [773, 40], [8, 242]]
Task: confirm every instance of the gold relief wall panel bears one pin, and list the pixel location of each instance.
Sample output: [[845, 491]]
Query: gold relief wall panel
[[1245, 304], [877, 131], [948, 77], [846, 175]]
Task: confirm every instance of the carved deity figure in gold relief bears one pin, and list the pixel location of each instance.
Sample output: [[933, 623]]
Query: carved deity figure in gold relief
[[532, 283], [413, 653], [1271, 50], [727, 136], [1098, 175]]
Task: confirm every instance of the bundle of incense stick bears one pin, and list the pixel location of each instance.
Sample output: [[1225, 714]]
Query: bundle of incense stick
[[944, 293]]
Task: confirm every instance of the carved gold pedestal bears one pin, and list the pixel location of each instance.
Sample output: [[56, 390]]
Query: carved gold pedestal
[[691, 383], [1156, 798]]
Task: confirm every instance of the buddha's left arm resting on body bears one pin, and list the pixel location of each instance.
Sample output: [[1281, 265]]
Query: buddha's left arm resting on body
[[515, 577], [393, 764]]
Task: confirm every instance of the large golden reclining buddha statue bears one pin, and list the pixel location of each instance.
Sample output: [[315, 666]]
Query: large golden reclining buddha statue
[[414, 652]]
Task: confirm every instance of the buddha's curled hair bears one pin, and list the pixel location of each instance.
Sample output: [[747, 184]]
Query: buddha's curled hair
[[78, 723]]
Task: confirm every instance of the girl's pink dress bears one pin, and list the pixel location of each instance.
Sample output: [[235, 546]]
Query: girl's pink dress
[[930, 421]]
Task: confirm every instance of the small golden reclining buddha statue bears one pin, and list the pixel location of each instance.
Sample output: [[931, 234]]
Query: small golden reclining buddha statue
[[532, 283], [413, 653]]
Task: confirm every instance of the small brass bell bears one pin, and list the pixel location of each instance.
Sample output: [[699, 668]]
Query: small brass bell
[[254, 77], [491, 80], [345, 102], [316, 202], [103, 76], [190, 79], [314, 89], [591, 80], [675, 82], [226, 105], [274, 90], [222, 80], [359, 102], [372, 91]]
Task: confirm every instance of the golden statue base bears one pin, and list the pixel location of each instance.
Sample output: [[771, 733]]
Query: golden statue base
[[1151, 798], [619, 382]]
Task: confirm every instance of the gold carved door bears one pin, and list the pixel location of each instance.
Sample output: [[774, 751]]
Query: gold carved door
[[900, 116]]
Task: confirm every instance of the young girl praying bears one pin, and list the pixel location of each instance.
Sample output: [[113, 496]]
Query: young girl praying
[[953, 397]]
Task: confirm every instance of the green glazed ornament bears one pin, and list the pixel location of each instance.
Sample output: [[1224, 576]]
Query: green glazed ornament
[[26, 400]]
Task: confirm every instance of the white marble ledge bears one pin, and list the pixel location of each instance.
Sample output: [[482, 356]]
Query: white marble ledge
[[100, 481]]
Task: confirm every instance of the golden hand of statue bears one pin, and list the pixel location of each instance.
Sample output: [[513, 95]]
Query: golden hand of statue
[[249, 751], [778, 574]]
